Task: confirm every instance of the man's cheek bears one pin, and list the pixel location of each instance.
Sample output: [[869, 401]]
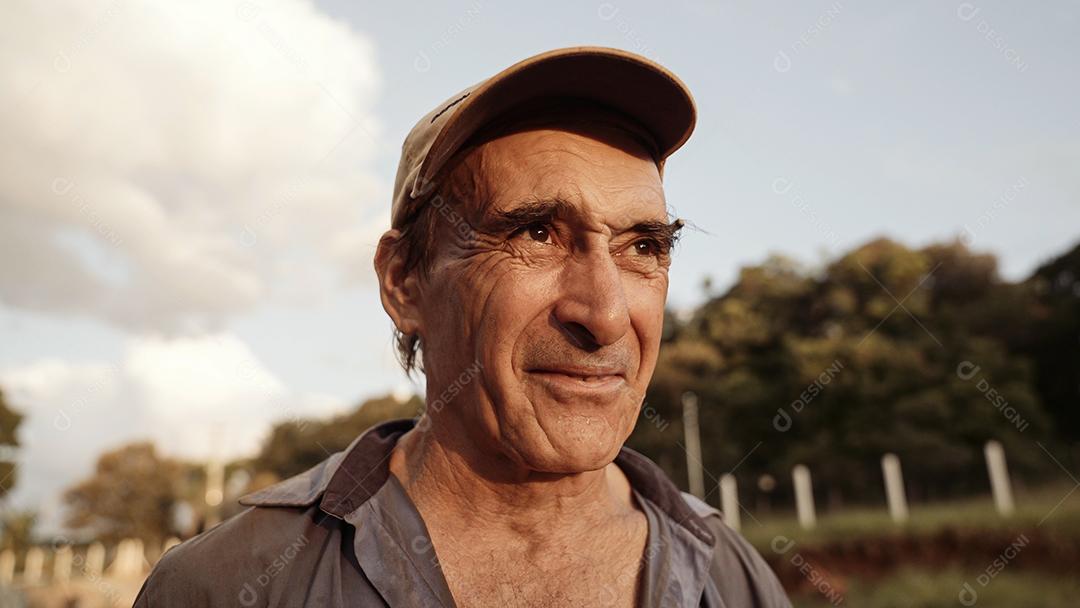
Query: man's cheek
[[646, 305], [514, 317], [522, 293]]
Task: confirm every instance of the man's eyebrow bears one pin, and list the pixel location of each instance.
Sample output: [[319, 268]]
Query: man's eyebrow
[[666, 233], [546, 211], [540, 211]]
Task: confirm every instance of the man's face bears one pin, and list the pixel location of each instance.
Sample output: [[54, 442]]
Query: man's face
[[557, 289]]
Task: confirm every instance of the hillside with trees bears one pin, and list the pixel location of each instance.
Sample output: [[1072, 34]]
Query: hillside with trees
[[926, 353]]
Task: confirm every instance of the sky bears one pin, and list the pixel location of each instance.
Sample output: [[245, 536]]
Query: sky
[[191, 192]]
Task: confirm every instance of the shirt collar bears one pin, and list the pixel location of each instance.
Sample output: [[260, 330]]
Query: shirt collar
[[348, 479], [355, 486]]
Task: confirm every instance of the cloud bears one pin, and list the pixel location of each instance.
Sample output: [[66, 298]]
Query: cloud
[[194, 397], [170, 164]]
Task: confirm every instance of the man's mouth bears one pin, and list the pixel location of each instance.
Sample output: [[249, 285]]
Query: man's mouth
[[597, 378]]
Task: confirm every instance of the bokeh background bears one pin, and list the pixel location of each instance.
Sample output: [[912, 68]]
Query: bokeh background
[[884, 258]]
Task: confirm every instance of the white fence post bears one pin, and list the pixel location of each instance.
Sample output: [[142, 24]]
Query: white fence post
[[804, 496], [35, 560], [999, 478], [124, 563], [894, 488], [7, 567], [729, 501], [694, 470], [95, 561], [62, 565]]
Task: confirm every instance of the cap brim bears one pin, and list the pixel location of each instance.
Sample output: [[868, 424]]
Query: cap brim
[[629, 83]]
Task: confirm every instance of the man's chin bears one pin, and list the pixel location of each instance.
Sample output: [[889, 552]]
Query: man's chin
[[575, 450], [568, 464]]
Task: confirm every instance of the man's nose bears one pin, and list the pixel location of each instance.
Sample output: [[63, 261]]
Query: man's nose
[[592, 307]]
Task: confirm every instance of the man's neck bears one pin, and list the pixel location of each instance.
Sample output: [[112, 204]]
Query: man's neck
[[461, 487], [507, 535]]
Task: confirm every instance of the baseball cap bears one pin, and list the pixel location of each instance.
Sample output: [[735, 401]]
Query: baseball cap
[[626, 82]]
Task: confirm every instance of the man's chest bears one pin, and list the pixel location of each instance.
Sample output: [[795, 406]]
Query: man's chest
[[599, 570], [573, 580]]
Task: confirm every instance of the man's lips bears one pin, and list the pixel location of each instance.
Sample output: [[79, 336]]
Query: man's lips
[[580, 377], [580, 372]]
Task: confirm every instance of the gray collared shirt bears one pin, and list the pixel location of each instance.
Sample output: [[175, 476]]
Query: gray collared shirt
[[345, 533]]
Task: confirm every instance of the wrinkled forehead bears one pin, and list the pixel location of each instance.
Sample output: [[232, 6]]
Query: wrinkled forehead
[[594, 162]]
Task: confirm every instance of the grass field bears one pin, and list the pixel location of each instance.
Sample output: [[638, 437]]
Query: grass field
[[958, 553], [1053, 509], [911, 588]]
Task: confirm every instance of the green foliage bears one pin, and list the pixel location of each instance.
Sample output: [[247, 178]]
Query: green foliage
[[130, 494], [18, 530], [834, 368], [9, 423], [9, 426], [1053, 340]]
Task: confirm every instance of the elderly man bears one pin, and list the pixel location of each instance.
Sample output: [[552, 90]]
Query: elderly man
[[526, 273]]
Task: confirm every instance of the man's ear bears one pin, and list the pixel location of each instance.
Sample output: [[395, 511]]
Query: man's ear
[[398, 288]]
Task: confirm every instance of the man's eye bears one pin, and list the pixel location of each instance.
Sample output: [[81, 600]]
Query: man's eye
[[538, 232], [647, 247]]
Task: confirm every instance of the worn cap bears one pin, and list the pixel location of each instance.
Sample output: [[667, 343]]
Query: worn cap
[[628, 83]]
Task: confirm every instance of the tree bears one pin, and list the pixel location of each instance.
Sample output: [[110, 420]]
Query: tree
[[1054, 340], [131, 494], [18, 529], [835, 368], [9, 440]]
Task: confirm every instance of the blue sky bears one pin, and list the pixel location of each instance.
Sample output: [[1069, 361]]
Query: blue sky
[[193, 193]]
